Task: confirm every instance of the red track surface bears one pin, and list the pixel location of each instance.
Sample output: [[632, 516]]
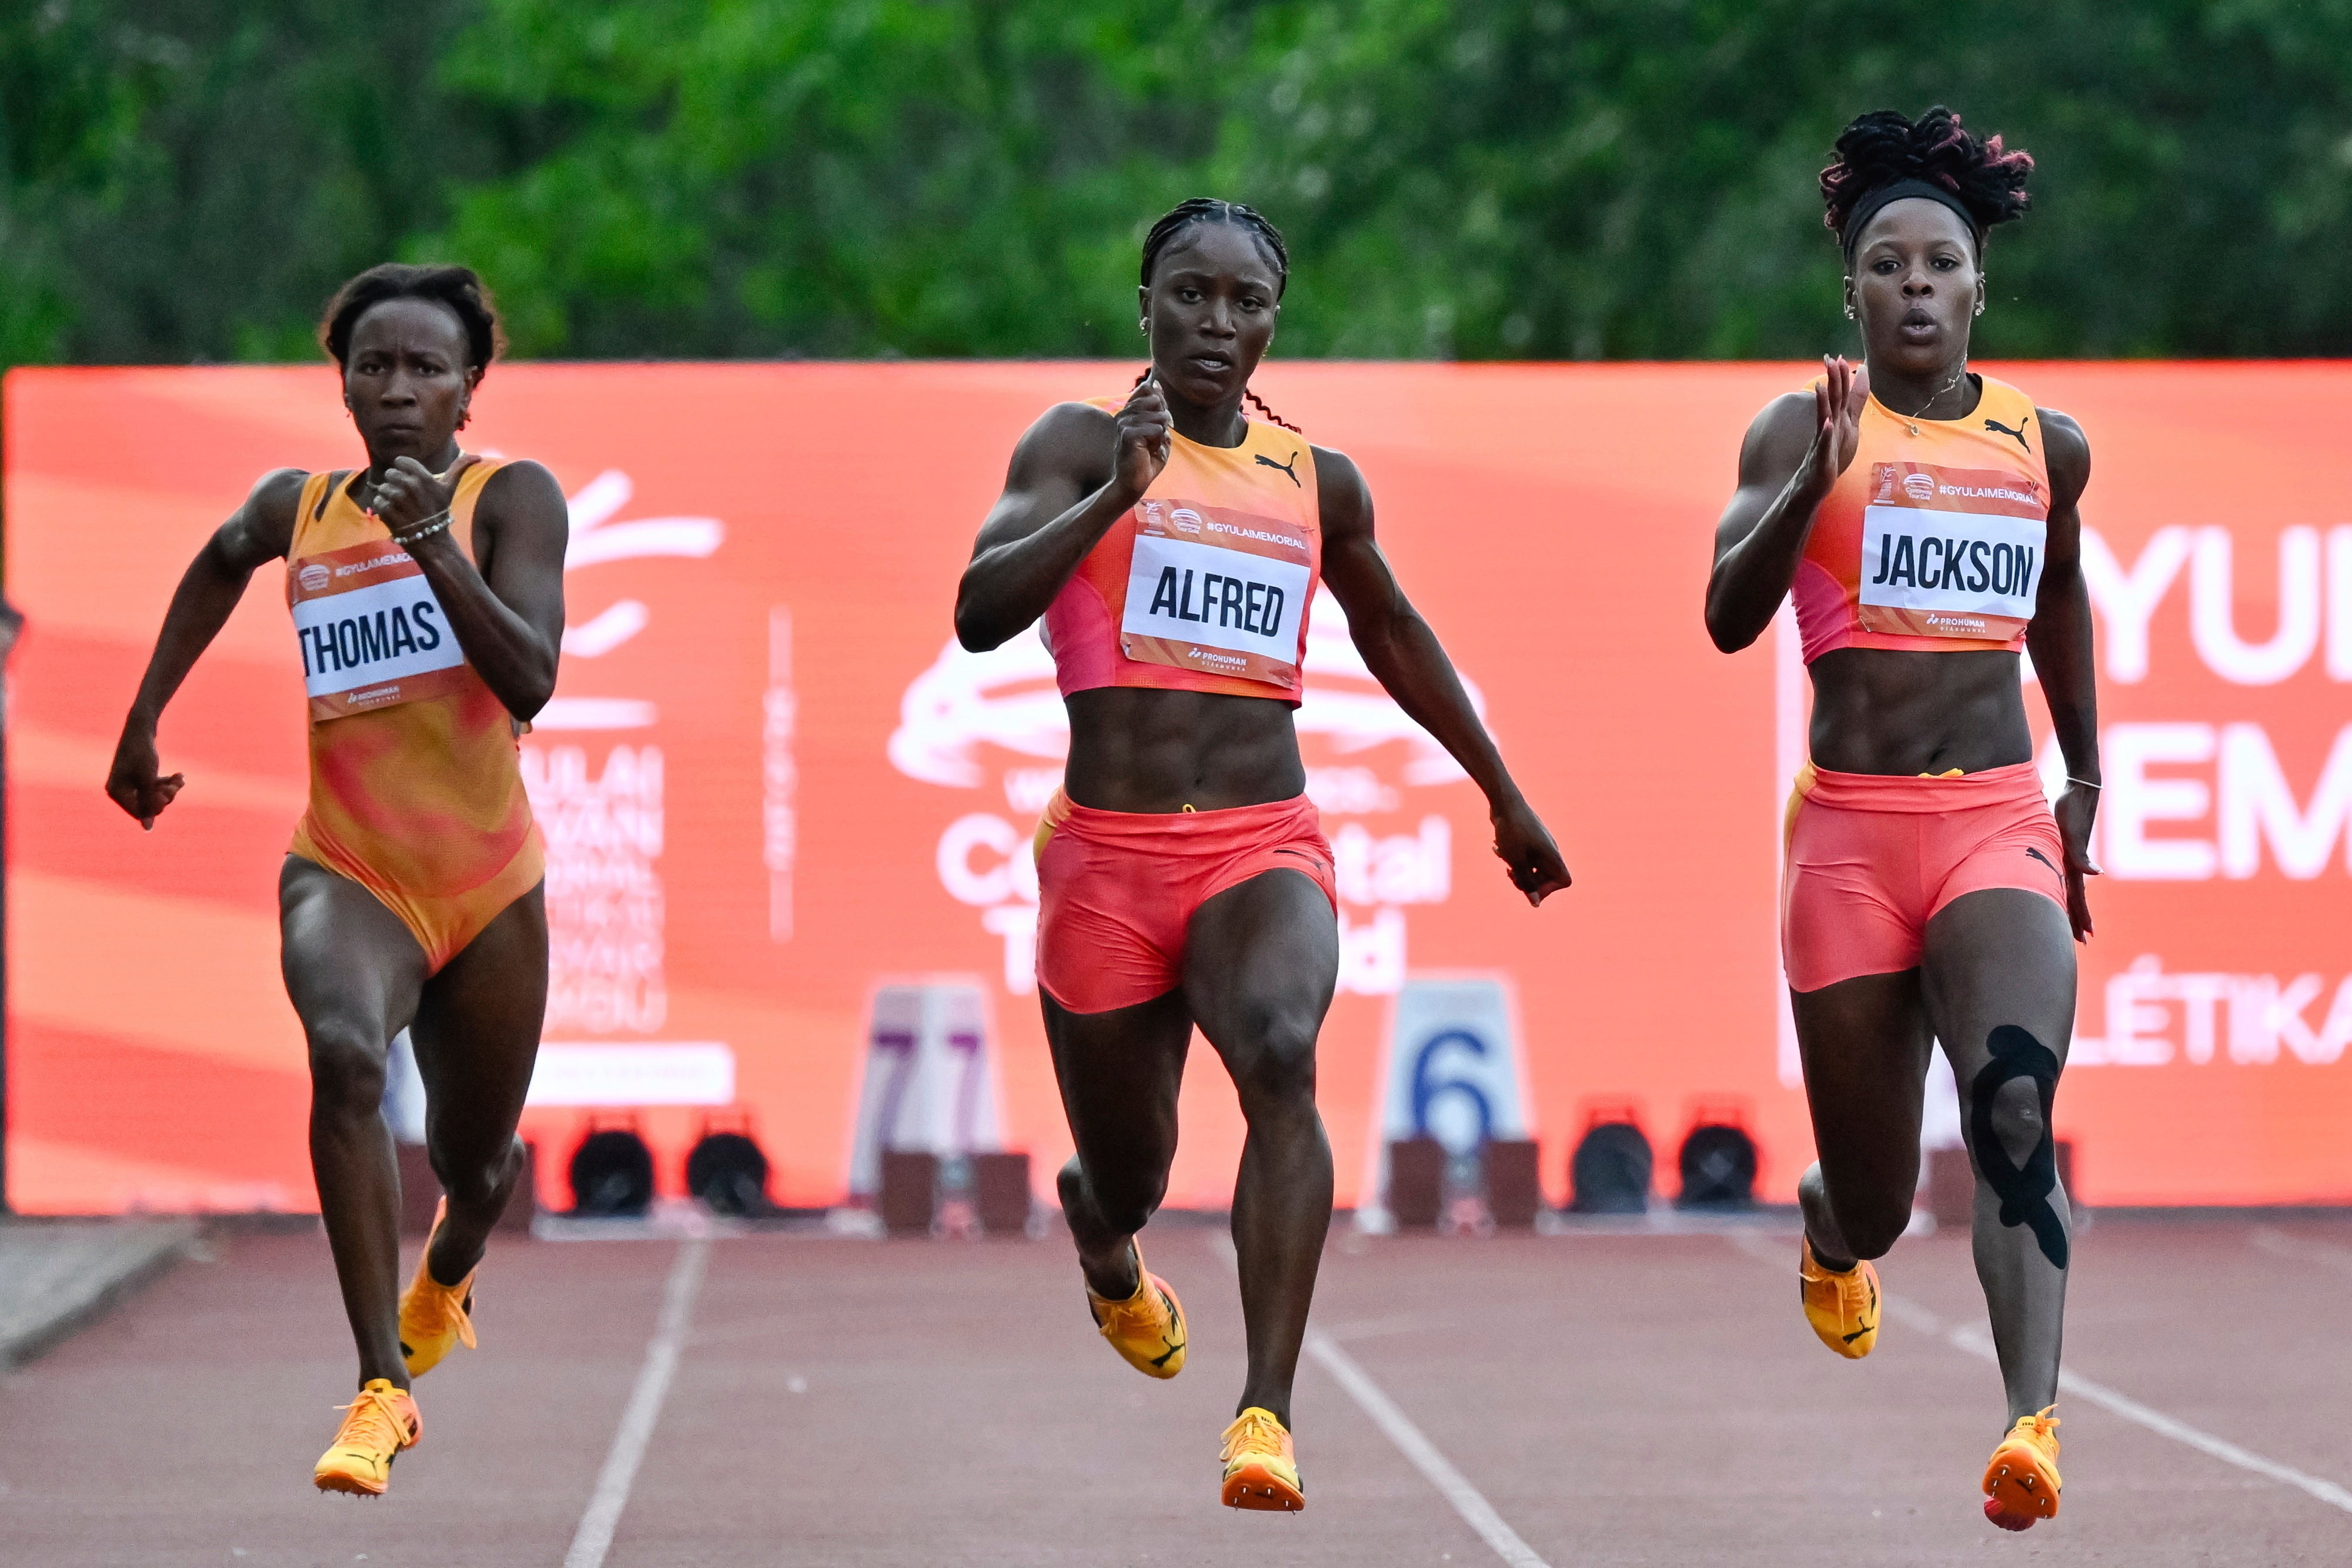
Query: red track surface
[[1636, 1399]]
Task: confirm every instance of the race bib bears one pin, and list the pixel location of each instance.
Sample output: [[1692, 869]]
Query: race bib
[[1951, 552], [1221, 591], [372, 632]]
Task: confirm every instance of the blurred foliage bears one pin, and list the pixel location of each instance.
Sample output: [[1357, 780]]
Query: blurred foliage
[[189, 178]]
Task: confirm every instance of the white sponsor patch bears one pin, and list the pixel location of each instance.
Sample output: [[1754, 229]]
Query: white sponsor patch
[[372, 636], [1218, 599], [1958, 574]]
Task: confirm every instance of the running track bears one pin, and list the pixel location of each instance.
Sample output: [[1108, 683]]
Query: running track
[[1603, 1400]]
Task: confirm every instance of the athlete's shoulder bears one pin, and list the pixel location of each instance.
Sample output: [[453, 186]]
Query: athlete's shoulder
[[520, 479], [279, 490], [1342, 495], [1780, 434], [2066, 453], [274, 499], [1070, 441]]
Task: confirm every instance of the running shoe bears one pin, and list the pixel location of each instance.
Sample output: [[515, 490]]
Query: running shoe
[[1148, 1328], [435, 1318], [1843, 1307], [2021, 1483], [376, 1426], [1261, 1465]]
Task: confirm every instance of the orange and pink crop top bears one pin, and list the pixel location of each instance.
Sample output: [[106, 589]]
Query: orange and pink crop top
[[1932, 539], [1204, 584]]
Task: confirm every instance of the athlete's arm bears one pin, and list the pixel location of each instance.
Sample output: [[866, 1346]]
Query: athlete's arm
[[260, 530], [1792, 456], [508, 612], [1404, 655], [2058, 638], [1075, 473]]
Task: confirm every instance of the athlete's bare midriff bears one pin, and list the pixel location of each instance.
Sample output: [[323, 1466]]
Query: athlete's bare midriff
[[1136, 749], [1881, 710]]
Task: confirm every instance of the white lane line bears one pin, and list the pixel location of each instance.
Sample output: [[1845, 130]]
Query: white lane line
[[1977, 1343], [2279, 1244], [1410, 1441], [594, 1537]]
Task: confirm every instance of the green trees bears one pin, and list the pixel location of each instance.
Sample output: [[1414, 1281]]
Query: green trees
[[1621, 178]]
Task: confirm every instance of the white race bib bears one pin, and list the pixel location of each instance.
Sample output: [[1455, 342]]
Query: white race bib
[[371, 632], [1216, 591], [1951, 552]]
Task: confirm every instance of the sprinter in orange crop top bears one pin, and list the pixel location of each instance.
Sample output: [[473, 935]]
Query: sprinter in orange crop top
[[426, 592], [1925, 520], [1171, 547]]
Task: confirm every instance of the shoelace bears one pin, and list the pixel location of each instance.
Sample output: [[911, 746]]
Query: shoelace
[[442, 1302], [2043, 1425], [1251, 1433], [1143, 1311], [373, 1422]]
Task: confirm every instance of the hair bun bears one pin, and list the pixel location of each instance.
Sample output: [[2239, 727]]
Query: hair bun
[[1882, 147]]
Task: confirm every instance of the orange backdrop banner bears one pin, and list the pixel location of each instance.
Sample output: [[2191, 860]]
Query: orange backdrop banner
[[773, 787]]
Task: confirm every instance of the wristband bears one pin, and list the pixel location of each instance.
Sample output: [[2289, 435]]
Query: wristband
[[437, 523]]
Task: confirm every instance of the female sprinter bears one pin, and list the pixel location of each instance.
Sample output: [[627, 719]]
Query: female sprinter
[[1926, 519], [427, 595], [1173, 547]]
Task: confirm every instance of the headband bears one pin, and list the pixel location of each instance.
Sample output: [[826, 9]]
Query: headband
[[1901, 190]]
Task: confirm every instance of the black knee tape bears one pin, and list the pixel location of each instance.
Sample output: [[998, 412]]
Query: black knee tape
[[2023, 1190]]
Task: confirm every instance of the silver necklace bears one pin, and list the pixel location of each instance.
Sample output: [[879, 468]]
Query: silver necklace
[[1910, 420]]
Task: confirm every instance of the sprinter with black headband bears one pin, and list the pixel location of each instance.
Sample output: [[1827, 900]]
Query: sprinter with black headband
[[1925, 520], [1173, 545], [426, 591]]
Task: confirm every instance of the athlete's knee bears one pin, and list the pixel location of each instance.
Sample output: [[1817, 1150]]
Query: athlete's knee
[[1273, 1062], [2014, 1117], [347, 1070]]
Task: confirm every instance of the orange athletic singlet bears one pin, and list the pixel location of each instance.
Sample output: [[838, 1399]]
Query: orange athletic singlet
[[415, 781], [1205, 585], [1932, 538]]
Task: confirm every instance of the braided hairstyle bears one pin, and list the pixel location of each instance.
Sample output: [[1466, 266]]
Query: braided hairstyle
[[1980, 178], [1186, 214]]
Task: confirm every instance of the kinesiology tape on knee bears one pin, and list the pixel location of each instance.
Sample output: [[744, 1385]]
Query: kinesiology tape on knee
[[2023, 1190]]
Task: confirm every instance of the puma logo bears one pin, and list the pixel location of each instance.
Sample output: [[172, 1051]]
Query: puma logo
[[1290, 468], [2037, 854], [1990, 425]]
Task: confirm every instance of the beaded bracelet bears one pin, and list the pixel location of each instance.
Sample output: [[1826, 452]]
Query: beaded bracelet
[[437, 523]]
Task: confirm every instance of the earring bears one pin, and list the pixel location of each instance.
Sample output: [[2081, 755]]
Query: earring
[[1848, 313], [1979, 309], [1144, 328]]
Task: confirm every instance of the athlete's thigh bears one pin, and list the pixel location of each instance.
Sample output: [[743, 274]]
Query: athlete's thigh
[[1261, 960], [2002, 958], [1119, 1073], [478, 1025], [353, 970], [1865, 1045]]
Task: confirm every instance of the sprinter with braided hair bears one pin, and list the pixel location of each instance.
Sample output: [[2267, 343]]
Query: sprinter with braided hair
[[1172, 546], [1925, 522]]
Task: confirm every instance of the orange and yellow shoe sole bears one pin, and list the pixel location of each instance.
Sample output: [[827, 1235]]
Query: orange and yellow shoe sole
[[2021, 1489], [1258, 1487]]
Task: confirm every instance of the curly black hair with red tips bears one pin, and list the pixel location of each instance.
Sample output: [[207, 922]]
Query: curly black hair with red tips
[[1882, 146]]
